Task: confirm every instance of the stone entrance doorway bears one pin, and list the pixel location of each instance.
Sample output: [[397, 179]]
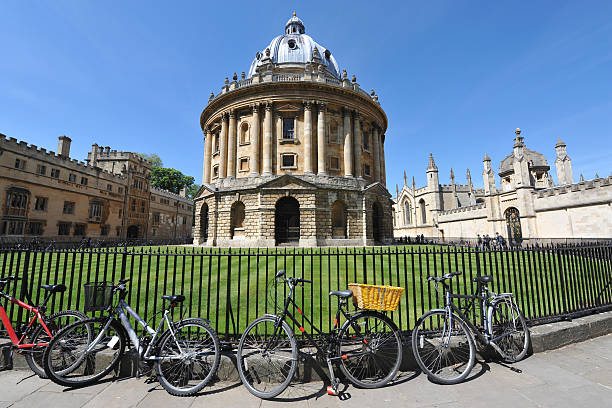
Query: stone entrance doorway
[[204, 223], [132, 232], [287, 220], [513, 224], [377, 216]]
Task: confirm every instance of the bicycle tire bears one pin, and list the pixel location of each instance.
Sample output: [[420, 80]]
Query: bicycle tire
[[505, 318], [34, 357], [381, 342], [254, 359], [65, 367], [425, 337], [167, 373]]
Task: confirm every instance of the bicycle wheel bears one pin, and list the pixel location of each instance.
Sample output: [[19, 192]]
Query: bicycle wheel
[[443, 347], [84, 352], [509, 330], [266, 360], [54, 323], [370, 347], [189, 357]]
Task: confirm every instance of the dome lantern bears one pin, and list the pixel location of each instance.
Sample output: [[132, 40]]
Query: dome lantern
[[294, 26]]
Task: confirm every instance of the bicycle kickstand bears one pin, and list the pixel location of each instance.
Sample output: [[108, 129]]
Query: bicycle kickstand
[[335, 383]]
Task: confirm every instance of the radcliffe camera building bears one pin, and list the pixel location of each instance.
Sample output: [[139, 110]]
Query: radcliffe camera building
[[294, 153], [525, 205]]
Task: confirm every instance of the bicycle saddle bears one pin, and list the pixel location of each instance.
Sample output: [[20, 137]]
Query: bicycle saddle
[[174, 298], [342, 293], [483, 279], [54, 288]]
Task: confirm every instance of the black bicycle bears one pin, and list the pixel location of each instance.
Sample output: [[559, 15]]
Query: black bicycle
[[367, 347], [442, 340]]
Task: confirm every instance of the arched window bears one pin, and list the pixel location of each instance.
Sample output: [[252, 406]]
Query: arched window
[[407, 213], [339, 220], [245, 136], [237, 219], [423, 211]]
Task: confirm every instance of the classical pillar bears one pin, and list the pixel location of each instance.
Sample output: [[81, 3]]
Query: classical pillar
[[231, 148], [383, 172], [321, 142], [348, 143], [208, 141], [357, 144], [223, 148], [255, 141], [267, 144], [308, 137], [376, 147]]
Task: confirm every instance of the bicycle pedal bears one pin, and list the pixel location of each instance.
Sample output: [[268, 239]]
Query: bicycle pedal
[[333, 391]]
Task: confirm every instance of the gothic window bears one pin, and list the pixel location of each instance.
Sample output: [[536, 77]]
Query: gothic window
[[245, 136], [35, 228], [84, 181], [13, 227], [55, 173], [40, 203], [95, 209], [41, 169], [63, 228], [68, 207], [407, 213], [20, 164], [72, 178], [17, 203], [288, 128], [423, 211]]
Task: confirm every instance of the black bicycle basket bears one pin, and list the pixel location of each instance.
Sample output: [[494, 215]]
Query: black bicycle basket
[[98, 296]]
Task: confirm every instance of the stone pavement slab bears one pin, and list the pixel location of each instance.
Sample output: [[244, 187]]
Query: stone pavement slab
[[579, 375]]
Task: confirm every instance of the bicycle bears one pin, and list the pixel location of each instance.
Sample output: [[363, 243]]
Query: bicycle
[[367, 347], [185, 356], [31, 338], [442, 340]]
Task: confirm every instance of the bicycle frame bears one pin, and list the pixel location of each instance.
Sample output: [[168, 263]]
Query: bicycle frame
[[17, 341], [120, 311]]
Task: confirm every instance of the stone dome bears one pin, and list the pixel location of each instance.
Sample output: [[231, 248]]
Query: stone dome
[[535, 158], [293, 48]]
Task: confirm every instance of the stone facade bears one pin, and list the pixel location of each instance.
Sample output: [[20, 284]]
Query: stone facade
[[49, 195], [526, 206], [295, 127]]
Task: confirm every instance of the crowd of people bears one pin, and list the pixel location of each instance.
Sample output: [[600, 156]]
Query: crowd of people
[[487, 242]]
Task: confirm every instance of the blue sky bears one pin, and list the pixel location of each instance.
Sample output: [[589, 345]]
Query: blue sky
[[454, 77]]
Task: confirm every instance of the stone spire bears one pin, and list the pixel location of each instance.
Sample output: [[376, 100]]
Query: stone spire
[[596, 175], [413, 184], [405, 179], [397, 191], [563, 164], [452, 176], [469, 178], [488, 175], [432, 163], [581, 177]]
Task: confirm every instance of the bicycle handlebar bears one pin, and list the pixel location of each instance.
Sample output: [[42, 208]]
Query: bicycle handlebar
[[444, 277], [292, 281]]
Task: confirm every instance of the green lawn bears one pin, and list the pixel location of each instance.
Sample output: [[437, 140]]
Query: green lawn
[[546, 283]]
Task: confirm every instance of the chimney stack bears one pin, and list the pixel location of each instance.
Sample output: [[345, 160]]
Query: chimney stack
[[63, 146]]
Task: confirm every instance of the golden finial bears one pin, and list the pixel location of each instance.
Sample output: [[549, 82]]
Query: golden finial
[[294, 14]]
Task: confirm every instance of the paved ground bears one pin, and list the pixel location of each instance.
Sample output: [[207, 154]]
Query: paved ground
[[579, 375]]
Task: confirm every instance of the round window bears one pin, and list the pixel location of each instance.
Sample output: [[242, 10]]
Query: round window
[[291, 44]]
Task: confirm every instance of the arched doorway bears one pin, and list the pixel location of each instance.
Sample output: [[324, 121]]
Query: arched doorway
[[377, 224], [287, 220], [132, 232], [204, 223], [237, 215], [338, 219], [513, 224]]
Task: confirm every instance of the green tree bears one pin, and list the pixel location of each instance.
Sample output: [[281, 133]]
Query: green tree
[[170, 179], [155, 160], [192, 190]]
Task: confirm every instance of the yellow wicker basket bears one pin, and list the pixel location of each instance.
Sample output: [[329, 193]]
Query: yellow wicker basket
[[376, 297]]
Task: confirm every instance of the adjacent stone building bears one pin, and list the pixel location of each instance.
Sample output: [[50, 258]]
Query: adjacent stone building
[[527, 205], [294, 153], [49, 195]]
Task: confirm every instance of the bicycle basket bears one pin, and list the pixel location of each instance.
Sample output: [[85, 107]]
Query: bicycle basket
[[376, 297], [98, 296]]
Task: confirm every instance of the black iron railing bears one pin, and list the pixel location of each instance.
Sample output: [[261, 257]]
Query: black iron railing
[[228, 286]]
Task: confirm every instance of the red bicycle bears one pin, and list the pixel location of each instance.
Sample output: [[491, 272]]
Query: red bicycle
[[31, 339]]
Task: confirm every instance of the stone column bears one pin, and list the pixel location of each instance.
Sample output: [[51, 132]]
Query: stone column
[[383, 172], [321, 142], [231, 148], [357, 144], [348, 143], [208, 141], [307, 137], [255, 141], [376, 147], [223, 147], [267, 144]]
